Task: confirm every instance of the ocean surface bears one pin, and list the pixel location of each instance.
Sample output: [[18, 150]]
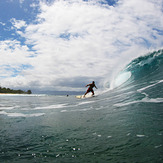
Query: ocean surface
[[122, 124]]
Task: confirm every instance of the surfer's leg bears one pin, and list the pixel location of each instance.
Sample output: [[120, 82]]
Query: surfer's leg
[[92, 92], [85, 94], [88, 90]]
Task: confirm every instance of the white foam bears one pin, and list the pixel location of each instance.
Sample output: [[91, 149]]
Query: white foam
[[152, 100], [127, 103], [140, 136], [85, 102], [3, 113], [7, 108], [98, 135], [86, 109], [50, 107], [142, 89], [63, 111], [21, 114], [58, 106], [146, 99], [25, 115], [158, 146], [101, 107], [94, 133], [78, 110], [128, 134]]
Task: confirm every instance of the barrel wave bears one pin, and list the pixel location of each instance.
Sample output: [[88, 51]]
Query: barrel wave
[[147, 68], [124, 124]]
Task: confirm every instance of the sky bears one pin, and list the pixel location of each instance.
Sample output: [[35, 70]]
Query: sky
[[62, 45]]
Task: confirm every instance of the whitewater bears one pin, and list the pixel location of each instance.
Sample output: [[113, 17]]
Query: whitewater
[[124, 123]]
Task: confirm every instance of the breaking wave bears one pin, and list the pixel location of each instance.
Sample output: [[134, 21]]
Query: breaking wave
[[144, 68]]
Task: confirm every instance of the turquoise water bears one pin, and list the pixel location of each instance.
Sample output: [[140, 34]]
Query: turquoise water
[[124, 124]]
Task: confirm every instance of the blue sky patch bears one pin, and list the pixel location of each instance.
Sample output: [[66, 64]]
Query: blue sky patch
[[16, 70]]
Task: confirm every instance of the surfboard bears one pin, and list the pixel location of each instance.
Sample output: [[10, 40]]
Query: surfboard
[[82, 96]]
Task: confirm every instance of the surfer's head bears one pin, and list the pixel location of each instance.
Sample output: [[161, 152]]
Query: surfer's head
[[93, 82]]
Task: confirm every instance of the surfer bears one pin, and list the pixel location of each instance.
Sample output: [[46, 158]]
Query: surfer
[[90, 89]]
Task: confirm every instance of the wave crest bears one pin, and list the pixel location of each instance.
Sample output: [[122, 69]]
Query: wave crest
[[144, 68]]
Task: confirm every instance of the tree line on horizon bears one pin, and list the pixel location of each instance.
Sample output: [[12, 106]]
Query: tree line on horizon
[[12, 91]]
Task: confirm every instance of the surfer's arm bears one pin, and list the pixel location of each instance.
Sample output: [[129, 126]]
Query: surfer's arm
[[87, 85], [95, 86]]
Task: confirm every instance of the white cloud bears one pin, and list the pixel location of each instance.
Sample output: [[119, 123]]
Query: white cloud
[[21, 1], [82, 40], [2, 23], [18, 24], [34, 5]]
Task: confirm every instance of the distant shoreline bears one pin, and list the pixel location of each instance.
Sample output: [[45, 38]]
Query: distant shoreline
[[4, 90], [14, 94]]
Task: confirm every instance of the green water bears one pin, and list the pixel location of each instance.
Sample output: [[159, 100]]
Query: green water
[[123, 125]]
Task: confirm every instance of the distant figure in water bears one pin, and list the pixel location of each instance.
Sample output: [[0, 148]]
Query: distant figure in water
[[90, 89]]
